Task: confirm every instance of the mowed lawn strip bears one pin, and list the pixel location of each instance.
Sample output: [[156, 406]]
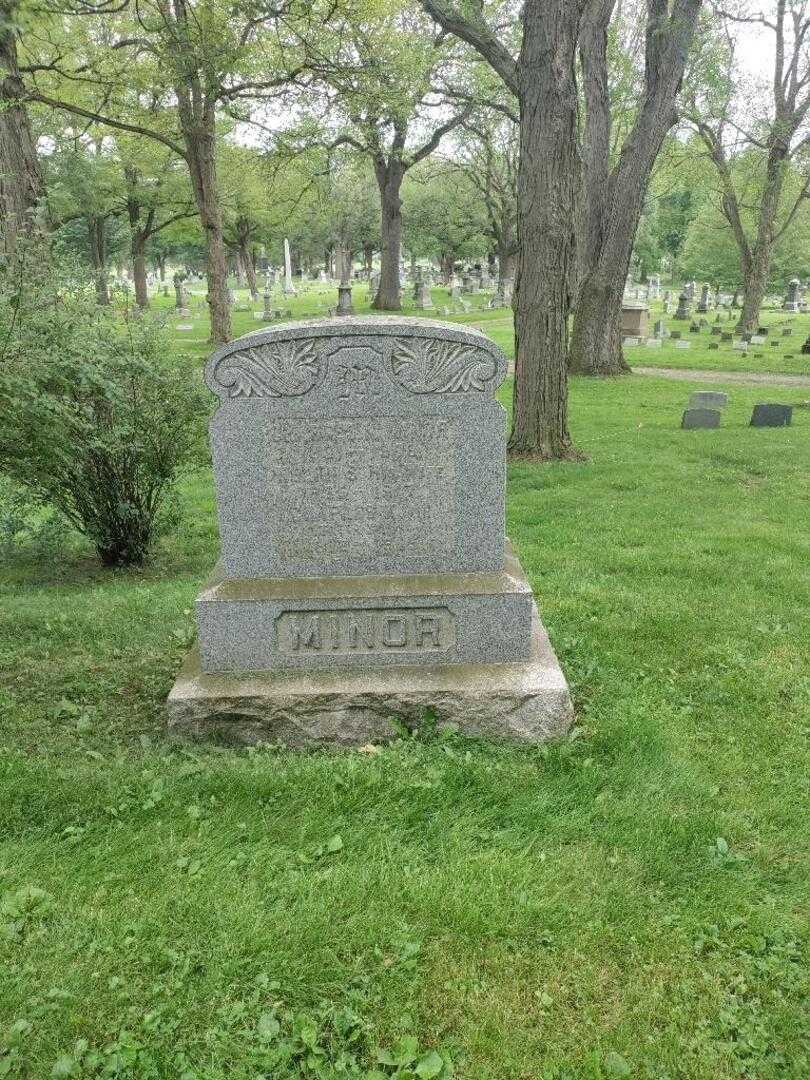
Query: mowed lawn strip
[[631, 901]]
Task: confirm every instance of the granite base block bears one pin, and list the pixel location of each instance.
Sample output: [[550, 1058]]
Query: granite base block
[[526, 701], [364, 623]]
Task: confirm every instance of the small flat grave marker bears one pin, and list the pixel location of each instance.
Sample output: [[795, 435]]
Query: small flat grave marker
[[708, 399], [700, 418], [653, 343], [683, 344], [770, 414]]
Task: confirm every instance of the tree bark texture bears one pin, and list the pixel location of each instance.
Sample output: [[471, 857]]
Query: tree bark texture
[[21, 183], [139, 270], [614, 199], [200, 143], [97, 238], [389, 179], [547, 201]]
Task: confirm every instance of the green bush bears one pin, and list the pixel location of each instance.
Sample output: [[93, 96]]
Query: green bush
[[97, 417]]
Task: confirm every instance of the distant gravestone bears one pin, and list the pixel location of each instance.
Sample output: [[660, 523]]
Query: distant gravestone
[[767, 414], [694, 328], [675, 335], [805, 350], [344, 304], [757, 339], [792, 300], [700, 418], [683, 306], [424, 299], [683, 344], [725, 337], [713, 345], [359, 466], [716, 331], [179, 293], [708, 399], [659, 329], [653, 343], [703, 303]]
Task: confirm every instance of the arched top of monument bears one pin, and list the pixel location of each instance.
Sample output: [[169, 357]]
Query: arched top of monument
[[416, 357]]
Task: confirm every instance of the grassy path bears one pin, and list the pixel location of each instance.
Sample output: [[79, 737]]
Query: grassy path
[[767, 378], [629, 902]]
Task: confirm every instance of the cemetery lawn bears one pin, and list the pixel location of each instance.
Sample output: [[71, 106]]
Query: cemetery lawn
[[631, 901]]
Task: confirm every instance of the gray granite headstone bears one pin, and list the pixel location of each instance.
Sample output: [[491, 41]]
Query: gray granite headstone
[[768, 414], [358, 446], [359, 465], [708, 399], [700, 418]]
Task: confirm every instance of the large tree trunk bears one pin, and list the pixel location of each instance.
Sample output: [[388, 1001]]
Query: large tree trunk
[[97, 237], [506, 261], [200, 142], [596, 340], [21, 183], [755, 284], [249, 268], [547, 202], [756, 266], [614, 200], [390, 182], [139, 270]]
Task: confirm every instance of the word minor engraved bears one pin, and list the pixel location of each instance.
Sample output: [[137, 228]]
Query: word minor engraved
[[365, 631], [364, 485]]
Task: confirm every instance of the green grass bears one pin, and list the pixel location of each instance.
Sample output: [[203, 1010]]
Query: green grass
[[630, 901]]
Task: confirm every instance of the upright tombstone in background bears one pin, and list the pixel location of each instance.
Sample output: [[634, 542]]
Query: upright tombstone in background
[[365, 577], [635, 318], [792, 300], [683, 306], [423, 298], [704, 302]]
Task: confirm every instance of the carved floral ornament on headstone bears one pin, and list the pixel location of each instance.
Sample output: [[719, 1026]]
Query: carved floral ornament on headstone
[[292, 368]]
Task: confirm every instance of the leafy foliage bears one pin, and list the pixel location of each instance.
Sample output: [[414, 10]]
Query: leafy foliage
[[98, 418]]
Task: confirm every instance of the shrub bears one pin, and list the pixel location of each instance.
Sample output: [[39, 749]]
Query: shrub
[[97, 417]]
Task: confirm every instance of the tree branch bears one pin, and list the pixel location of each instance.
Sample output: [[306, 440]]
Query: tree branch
[[480, 37], [108, 121]]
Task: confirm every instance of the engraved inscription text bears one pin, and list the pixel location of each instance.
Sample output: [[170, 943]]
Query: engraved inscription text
[[364, 485], [364, 631]]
